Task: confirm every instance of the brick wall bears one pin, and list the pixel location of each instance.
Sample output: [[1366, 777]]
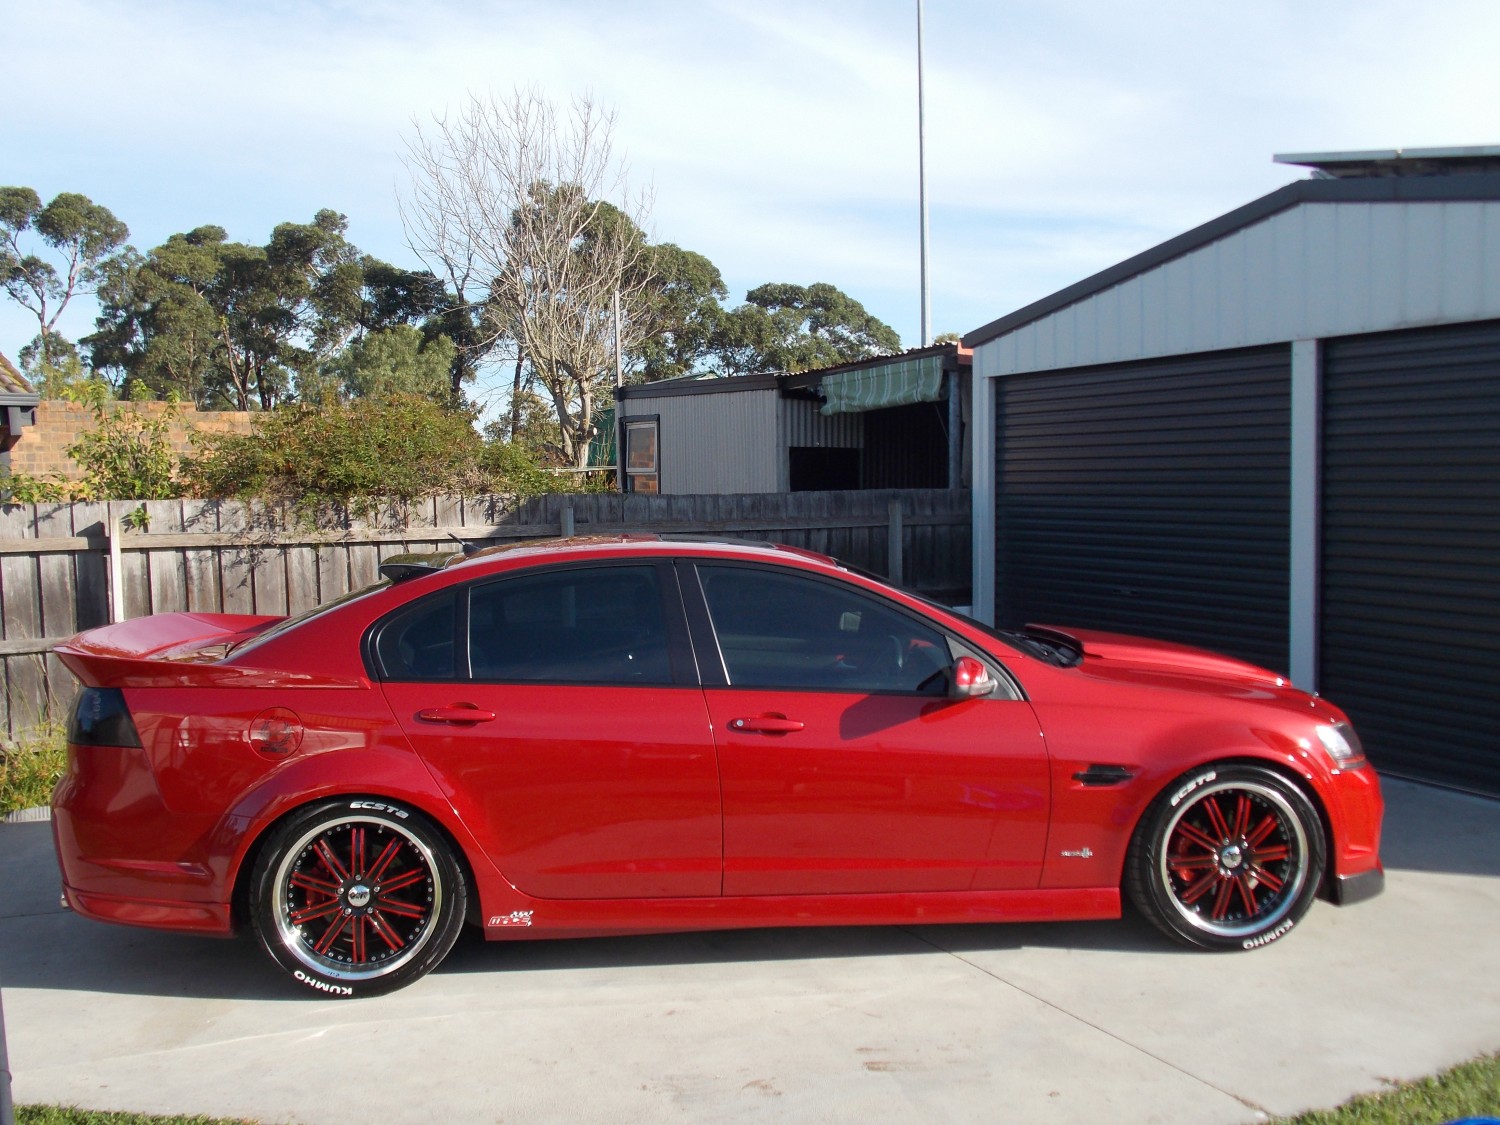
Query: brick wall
[[42, 450]]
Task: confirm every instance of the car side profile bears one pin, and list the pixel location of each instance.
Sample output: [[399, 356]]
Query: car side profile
[[630, 734]]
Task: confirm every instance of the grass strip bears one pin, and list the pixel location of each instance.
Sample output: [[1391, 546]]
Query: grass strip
[[1470, 1089]]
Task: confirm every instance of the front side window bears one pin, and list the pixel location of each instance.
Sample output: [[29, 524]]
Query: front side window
[[594, 625], [792, 631]]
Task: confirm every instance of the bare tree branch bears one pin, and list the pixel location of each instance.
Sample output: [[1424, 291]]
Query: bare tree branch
[[528, 214]]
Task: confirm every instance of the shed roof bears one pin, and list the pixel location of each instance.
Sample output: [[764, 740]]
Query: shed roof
[[1433, 188], [14, 389]]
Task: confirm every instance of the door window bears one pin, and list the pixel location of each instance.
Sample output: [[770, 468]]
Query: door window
[[790, 631]]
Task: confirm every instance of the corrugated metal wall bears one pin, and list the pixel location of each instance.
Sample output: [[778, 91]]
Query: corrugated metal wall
[[1316, 270], [1411, 544], [1150, 498], [715, 444]]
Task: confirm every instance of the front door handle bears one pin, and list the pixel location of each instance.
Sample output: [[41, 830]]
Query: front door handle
[[457, 713], [765, 724]]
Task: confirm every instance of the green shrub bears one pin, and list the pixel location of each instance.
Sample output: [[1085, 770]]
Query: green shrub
[[29, 768], [400, 448]]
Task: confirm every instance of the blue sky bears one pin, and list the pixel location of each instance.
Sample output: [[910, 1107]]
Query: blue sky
[[779, 138]]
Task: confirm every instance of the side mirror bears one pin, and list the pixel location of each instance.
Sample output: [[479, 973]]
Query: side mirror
[[969, 679]]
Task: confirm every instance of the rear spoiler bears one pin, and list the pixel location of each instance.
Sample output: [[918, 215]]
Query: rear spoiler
[[174, 650]]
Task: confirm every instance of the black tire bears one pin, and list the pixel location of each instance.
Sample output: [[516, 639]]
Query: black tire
[[1228, 857], [355, 897]]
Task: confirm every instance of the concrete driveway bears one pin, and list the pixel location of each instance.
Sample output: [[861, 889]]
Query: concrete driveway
[[1083, 1022]]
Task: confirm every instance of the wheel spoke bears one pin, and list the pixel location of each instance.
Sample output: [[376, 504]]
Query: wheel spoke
[[1262, 830], [1271, 855], [1247, 894], [310, 883], [357, 851], [1242, 813], [318, 910], [331, 861], [1216, 817], [1222, 899], [396, 906], [1197, 836], [325, 943], [359, 940], [1266, 879], [400, 882], [383, 860], [1201, 887], [387, 934]]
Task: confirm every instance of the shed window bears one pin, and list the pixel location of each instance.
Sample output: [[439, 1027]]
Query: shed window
[[642, 471]]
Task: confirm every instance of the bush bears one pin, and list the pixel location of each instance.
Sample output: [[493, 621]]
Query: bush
[[353, 453], [30, 767], [127, 455]]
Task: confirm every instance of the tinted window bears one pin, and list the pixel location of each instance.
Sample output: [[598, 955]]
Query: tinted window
[[786, 630], [417, 643], [600, 625]]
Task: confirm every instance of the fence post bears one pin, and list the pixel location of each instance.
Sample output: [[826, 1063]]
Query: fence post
[[567, 519], [115, 531], [895, 555]]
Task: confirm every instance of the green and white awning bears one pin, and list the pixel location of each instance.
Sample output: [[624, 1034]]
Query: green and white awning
[[898, 383]]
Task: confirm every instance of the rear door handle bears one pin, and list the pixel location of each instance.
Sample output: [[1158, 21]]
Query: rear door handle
[[765, 724], [459, 713]]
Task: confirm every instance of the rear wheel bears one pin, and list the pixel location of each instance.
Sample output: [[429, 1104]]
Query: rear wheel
[[1228, 857], [356, 897]]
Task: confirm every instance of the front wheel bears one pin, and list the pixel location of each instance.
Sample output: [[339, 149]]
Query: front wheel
[[1228, 857], [356, 897]]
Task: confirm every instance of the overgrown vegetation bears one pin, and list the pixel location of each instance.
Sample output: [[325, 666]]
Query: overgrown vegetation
[[29, 767], [311, 458]]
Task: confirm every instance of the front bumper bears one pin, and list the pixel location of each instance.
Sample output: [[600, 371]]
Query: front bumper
[[1345, 890]]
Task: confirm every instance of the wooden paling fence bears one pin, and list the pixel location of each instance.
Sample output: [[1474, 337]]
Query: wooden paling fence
[[67, 567]]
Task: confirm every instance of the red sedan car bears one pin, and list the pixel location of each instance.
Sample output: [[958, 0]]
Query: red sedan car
[[627, 734]]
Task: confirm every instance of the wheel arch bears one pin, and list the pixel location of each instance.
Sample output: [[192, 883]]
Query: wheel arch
[[266, 826], [1288, 771]]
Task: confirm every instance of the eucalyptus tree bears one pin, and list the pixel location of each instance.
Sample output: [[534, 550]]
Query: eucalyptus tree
[[51, 254]]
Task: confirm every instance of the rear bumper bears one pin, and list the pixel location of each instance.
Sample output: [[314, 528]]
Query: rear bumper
[[209, 918], [1345, 890]]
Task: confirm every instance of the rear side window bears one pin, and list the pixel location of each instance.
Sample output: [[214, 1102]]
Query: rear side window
[[593, 625]]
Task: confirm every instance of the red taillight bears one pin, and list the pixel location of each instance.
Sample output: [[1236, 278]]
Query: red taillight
[[276, 731]]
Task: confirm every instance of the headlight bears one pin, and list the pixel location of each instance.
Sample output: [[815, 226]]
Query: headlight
[[1342, 744]]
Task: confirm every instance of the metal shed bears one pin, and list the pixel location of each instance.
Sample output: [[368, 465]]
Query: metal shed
[[884, 422], [1277, 435]]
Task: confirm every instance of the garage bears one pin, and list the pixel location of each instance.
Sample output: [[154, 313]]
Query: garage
[[1276, 435]]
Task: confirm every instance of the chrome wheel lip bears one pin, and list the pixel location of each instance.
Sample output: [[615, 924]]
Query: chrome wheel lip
[[1290, 825], [291, 937]]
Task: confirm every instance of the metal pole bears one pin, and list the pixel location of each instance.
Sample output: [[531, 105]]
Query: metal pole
[[619, 360], [922, 184]]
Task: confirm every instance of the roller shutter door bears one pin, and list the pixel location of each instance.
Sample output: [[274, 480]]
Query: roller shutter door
[[1411, 548], [1150, 498]]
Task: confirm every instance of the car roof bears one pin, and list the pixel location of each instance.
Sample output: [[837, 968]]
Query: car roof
[[642, 542]]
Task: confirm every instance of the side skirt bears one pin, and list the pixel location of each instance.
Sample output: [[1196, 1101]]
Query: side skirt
[[549, 918]]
